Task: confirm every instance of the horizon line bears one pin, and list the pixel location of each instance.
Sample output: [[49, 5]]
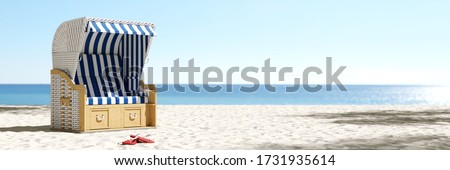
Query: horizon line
[[262, 84]]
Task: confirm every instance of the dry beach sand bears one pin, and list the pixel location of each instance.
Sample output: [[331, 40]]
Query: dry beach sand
[[247, 127]]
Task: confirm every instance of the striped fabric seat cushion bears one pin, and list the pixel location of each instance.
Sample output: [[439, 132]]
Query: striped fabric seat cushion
[[117, 100], [104, 83]]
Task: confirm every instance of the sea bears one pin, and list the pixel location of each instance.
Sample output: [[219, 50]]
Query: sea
[[39, 94]]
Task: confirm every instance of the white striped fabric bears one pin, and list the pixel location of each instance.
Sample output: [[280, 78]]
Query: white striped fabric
[[134, 50], [111, 62], [106, 27], [117, 100], [101, 75], [102, 43]]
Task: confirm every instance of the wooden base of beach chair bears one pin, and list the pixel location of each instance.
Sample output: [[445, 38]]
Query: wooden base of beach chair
[[103, 130], [69, 111], [98, 117]]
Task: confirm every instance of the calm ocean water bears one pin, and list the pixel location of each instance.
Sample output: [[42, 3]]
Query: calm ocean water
[[356, 94]]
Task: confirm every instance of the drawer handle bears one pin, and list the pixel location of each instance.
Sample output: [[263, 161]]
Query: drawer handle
[[100, 118], [133, 116]]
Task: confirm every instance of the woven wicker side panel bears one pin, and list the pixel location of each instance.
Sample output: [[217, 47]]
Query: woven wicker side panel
[[67, 44], [65, 107], [55, 102], [67, 62]]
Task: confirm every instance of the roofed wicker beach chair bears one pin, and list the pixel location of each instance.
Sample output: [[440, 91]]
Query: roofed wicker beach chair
[[96, 80]]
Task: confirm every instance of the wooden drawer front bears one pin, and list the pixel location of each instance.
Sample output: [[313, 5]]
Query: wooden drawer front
[[99, 119], [132, 117]]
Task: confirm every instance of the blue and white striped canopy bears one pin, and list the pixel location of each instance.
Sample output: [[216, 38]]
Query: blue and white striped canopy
[[111, 61], [105, 27]]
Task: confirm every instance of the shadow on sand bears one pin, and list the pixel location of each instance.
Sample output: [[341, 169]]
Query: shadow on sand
[[384, 118], [387, 117], [43, 128], [428, 142]]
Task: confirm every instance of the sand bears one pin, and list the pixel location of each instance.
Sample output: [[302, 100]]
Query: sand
[[247, 127]]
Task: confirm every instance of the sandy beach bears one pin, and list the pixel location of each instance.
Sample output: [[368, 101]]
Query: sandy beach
[[247, 127]]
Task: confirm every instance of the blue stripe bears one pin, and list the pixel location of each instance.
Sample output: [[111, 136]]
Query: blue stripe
[[115, 28], [106, 28], [97, 39], [83, 73], [132, 29], [105, 42], [100, 74], [124, 55], [132, 64], [75, 80], [118, 77], [90, 101], [92, 76], [95, 26], [146, 46], [114, 65], [112, 76], [134, 99], [139, 54], [113, 43], [140, 29], [124, 61], [108, 100], [106, 73], [123, 28], [150, 31], [88, 41], [141, 61]]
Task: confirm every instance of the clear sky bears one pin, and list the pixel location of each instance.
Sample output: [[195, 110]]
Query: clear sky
[[380, 42]]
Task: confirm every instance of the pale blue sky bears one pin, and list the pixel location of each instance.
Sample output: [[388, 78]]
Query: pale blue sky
[[381, 42]]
